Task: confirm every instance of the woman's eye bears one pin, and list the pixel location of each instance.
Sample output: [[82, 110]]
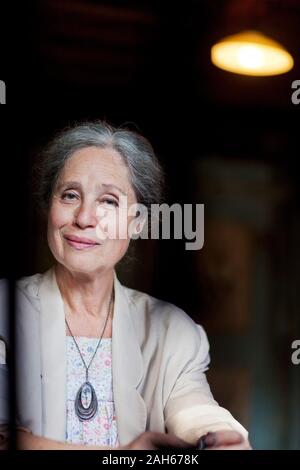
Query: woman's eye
[[69, 196], [111, 202]]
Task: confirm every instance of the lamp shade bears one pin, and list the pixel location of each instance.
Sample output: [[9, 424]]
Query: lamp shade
[[251, 53]]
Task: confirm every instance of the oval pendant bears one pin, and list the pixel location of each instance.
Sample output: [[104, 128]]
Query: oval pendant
[[86, 403]]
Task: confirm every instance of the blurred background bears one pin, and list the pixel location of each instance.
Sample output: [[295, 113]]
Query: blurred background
[[226, 140]]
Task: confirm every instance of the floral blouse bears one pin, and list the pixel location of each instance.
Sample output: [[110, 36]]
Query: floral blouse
[[102, 429]]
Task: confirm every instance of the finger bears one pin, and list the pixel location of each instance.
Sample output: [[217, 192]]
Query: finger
[[220, 438]]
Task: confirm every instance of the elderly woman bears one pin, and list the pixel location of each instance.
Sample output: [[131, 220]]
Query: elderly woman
[[99, 364]]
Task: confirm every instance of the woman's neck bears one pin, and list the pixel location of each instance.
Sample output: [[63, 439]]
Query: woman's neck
[[86, 296]]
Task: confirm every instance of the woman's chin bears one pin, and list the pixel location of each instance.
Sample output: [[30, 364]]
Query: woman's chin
[[84, 265]]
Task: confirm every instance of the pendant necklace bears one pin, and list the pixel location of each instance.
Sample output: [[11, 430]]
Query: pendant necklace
[[86, 403]]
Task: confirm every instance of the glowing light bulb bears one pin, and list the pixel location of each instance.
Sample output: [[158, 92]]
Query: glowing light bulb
[[251, 53]]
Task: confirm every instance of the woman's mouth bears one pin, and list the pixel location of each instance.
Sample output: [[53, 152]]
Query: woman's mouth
[[80, 243]]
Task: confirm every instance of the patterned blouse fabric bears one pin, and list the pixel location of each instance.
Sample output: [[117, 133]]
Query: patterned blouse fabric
[[102, 429]]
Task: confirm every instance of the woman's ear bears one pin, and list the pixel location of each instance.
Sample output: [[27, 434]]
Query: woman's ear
[[139, 214], [137, 225], [139, 222]]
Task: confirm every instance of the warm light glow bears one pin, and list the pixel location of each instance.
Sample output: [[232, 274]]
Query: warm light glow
[[251, 53]]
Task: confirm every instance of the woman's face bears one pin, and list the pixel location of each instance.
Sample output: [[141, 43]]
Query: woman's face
[[85, 207]]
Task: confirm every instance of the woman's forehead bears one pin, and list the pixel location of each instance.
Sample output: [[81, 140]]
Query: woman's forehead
[[104, 168]]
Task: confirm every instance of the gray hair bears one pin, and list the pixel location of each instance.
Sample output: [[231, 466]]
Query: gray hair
[[146, 173]]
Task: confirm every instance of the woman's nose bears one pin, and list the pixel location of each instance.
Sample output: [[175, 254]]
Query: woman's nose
[[85, 215]]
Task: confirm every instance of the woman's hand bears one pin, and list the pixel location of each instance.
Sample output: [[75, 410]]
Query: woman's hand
[[220, 440], [155, 441], [225, 440]]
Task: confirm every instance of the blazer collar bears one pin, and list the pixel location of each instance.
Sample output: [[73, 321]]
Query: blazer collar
[[127, 363]]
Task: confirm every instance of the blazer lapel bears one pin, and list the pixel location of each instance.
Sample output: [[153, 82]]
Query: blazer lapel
[[127, 363], [53, 358]]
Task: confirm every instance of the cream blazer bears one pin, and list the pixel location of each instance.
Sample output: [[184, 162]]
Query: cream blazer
[[159, 359]]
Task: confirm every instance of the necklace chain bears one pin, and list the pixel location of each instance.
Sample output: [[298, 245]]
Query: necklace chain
[[75, 342]]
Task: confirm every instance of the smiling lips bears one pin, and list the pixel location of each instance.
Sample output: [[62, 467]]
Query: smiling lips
[[80, 243]]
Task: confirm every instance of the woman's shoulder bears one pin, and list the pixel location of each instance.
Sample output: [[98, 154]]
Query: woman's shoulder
[[27, 299], [26, 291], [26, 286], [29, 285], [26, 296], [163, 314]]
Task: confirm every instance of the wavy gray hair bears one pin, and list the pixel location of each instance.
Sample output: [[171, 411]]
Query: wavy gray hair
[[146, 173]]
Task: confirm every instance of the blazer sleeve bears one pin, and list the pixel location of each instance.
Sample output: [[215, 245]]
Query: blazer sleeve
[[191, 411]]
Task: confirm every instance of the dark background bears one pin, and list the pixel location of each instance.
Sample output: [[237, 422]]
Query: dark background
[[225, 140]]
